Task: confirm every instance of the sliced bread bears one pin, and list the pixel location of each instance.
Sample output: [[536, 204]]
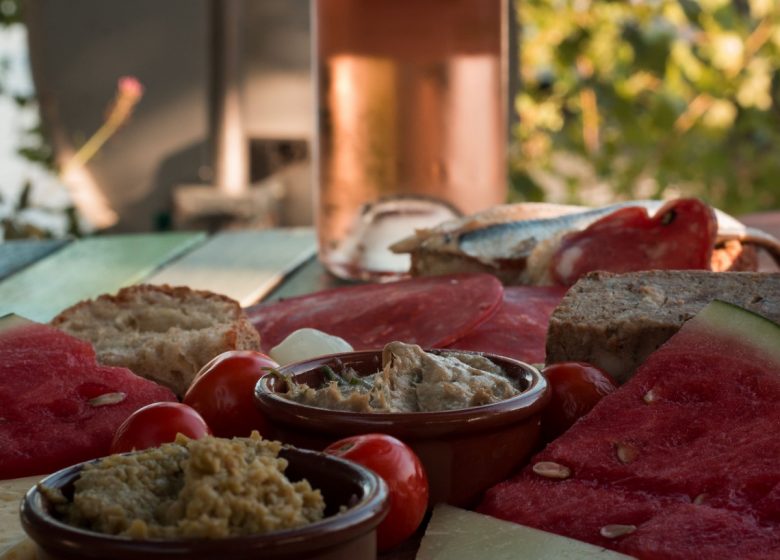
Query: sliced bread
[[166, 334], [615, 321]]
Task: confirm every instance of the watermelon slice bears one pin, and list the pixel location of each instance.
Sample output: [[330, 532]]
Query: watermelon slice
[[57, 405], [681, 462]]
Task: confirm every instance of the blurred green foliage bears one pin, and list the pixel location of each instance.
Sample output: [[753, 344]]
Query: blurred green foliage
[[646, 99]]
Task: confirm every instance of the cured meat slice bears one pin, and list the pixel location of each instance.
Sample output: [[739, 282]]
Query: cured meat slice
[[679, 463], [57, 405], [679, 236], [519, 328], [431, 312]]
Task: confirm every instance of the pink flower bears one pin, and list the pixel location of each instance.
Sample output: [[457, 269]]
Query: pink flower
[[130, 86], [128, 93]]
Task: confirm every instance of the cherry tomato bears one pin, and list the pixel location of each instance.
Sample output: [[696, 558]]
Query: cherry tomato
[[404, 474], [223, 392], [576, 388], [156, 424]]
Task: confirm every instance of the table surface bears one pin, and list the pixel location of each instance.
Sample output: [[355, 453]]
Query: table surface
[[40, 278]]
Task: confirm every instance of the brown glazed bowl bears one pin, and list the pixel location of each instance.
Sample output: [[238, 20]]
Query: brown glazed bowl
[[464, 452], [349, 535]]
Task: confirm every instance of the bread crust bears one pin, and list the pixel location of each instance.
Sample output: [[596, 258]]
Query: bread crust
[[164, 333]]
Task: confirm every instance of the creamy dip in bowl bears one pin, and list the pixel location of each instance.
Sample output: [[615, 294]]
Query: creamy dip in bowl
[[412, 380], [464, 449]]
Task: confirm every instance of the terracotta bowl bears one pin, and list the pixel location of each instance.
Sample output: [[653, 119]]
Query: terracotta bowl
[[350, 535], [464, 451]]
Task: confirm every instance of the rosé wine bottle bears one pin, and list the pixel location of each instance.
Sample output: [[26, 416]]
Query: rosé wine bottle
[[411, 122]]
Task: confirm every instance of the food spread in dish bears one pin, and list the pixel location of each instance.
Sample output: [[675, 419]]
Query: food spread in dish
[[204, 488], [412, 380]]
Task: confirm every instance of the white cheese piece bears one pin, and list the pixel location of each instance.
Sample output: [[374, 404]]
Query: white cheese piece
[[457, 534], [307, 343]]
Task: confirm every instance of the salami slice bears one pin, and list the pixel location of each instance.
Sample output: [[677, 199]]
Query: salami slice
[[680, 236], [519, 327], [432, 311]]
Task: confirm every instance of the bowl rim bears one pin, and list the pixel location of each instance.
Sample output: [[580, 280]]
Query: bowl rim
[[362, 517], [463, 420]]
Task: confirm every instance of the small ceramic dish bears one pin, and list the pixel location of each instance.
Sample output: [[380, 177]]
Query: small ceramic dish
[[348, 535], [464, 451]]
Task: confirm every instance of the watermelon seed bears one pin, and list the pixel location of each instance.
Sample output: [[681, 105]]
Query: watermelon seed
[[108, 398], [699, 500], [650, 397], [548, 469], [615, 531], [625, 453]]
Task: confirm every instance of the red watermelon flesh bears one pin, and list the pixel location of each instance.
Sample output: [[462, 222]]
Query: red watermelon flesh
[[432, 311], [685, 451], [519, 328], [47, 379]]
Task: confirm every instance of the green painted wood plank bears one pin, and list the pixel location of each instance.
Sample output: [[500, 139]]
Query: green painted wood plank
[[16, 254], [87, 268], [244, 265], [310, 277]]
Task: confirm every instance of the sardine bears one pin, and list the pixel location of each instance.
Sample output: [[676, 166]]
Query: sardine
[[512, 233]]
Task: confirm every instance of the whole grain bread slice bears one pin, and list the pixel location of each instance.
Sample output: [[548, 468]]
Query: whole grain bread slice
[[164, 333], [615, 321]]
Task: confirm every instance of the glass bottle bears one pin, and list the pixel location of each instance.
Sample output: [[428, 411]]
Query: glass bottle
[[411, 122]]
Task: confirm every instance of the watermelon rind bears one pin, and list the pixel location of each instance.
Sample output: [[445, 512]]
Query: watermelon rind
[[743, 326]]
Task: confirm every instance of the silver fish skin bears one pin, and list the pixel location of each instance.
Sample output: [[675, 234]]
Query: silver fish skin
[[517, 239]]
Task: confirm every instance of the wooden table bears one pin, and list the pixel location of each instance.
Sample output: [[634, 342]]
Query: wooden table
[[39, 279]]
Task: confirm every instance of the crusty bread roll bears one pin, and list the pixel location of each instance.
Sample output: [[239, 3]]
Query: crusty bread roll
[[166, 334]]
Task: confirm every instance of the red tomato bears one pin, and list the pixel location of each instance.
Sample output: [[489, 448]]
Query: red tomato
[[156, 424], [576, 388], [223, 392], [404, 474]]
